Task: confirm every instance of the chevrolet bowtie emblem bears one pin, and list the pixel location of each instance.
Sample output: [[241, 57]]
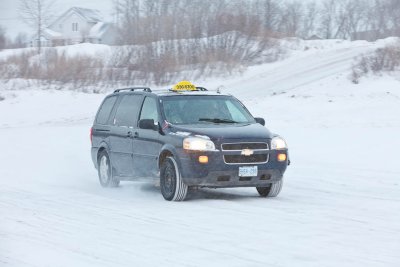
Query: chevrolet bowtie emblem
[[247, 152]]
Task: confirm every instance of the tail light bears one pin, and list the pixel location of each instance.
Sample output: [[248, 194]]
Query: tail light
[[91, 135]]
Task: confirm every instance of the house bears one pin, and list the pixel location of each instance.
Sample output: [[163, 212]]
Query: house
[[79, 25], [374, 35], [370, 36], [314, 37]]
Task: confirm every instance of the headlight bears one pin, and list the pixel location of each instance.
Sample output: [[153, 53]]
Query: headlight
[[278, 143], [198, 144]]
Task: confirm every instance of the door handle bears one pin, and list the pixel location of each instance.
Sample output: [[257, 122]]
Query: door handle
[[101, 130]]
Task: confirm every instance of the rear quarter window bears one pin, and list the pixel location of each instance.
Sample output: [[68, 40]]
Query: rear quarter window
[[105, 110]]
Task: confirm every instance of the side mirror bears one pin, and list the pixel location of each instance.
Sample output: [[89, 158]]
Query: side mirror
[[147, 124], [260, 121]]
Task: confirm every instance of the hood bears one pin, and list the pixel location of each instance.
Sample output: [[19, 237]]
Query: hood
[[226, 131]]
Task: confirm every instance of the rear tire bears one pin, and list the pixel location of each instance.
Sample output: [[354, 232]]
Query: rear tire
[[172, 186], [271, 191], [105, 171]]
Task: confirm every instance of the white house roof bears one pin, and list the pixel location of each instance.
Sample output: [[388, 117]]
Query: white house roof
[[90, 15], [99, 29], [50, 33]]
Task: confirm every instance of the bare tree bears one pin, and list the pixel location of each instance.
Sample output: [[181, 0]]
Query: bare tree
[[377, 18], [341, 20], [128, 25], [310, 19], [328, 14], [37, 14], [394, 14], [271, 10], [357, 16], [3, 39], [292, 18], [20, 40]]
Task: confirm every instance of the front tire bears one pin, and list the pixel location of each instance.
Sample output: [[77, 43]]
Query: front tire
[[172, 186], [106, 177], [271, 191]]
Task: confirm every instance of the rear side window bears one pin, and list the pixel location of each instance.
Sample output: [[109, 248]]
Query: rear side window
[[105, 110], [128, 110]]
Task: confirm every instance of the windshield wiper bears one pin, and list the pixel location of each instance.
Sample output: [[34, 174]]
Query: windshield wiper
[[216, 120]]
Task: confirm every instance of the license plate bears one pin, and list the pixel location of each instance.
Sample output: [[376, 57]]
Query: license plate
[[248, 171]]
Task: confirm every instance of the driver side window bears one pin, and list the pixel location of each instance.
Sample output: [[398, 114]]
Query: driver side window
[[149, 109]]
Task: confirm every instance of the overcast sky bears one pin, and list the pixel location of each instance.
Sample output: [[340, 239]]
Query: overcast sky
[[10, 20]]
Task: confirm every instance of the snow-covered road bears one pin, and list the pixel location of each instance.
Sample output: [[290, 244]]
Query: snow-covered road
[[54, 213], [301, 68], [340, 204]]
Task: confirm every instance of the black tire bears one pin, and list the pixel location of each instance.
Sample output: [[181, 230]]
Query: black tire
[[105, 171], [271, 191], [172, 186]]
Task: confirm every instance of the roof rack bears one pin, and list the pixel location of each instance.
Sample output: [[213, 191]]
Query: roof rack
[[145, 89]]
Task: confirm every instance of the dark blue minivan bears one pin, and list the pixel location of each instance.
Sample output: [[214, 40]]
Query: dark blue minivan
[[186, 137]]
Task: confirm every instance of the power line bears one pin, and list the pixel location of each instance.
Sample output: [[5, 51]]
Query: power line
[[9, 18]]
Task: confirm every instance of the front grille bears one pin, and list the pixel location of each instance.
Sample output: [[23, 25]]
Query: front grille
[[241, 146], [240, 159], [233, 153]]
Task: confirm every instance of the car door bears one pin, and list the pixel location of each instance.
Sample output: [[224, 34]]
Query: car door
[[122, 133], [147, 142]]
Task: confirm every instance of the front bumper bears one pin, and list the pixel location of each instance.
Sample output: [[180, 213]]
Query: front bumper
[[218, 174]]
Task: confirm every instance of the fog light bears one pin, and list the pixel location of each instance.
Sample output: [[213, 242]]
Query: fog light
[[203, 159], [281, 157]]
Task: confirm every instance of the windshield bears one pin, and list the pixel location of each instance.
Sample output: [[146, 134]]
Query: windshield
[[205, 109]]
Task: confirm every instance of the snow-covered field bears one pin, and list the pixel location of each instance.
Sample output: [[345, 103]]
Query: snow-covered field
[[340, 205]]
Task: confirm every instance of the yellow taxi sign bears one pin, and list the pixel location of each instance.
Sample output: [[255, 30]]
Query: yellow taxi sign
[[184, 86]]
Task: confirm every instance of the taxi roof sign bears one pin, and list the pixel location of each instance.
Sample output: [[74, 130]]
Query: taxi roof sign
[[184, 86]]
